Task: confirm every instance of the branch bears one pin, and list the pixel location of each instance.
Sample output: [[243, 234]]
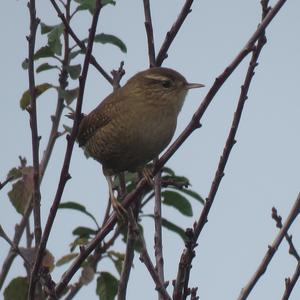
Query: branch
[[128, 261], [290, 283], [162, 55], [80, 43], [145, 258], [181, 290], [35, 139], [271, 250], [149, 31], [65, 176], [194, 124], [158, 228], [5, 182]]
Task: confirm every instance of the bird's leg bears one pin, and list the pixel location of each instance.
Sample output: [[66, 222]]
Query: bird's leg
[[117, 206]]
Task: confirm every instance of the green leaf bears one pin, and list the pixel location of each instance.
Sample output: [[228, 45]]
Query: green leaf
[[169, 171], [21, 191], [17, 289], [46, 28], [68, 95], [105, 2], [25, 64], [107, 286], [111, 39], [86, 5], [45, 67], [15, 173], [54, 38], [66, 258], [73, 54], [193, 194], [117, 259], [82, 231], [74, 71], [170, 226], [78, 242], [178, 201], [39, 89], [79, 207], [43, 52]]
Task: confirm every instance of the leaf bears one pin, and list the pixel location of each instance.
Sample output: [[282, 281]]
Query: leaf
[[169, 171], [178, 201], [46, 28], [15, 173], [25, 64], [86, 5], [43, 52], [65, 259], [68, 95], [117, 259], [17, 289], [74, 71], [78, 242], [105, 2], [107, 286], [21, 191], [111, 39], [82, 231], [39, 89], [79, 207], [54, 38], [45, 67], [193, 194], [73, 54], [171, 226]]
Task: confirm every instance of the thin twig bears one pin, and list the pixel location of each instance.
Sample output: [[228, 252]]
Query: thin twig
[[80, 43], [5, 182], [194, 124], [158, 245], [128, 261], [65, 176], [145, 258], [149, 31], [162, 54], [290, 283], [35, 139], [271, 251]]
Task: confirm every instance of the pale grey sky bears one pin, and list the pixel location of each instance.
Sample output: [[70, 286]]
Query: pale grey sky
[[262, 171]]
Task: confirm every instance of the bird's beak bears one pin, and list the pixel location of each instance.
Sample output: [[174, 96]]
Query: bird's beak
[[194, 85]]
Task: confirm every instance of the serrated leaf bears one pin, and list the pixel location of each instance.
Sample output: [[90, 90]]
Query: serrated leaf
[[178, 201], [54, 38], [46, 28], [111, 39], [82, 231], [17, 289], [39, 89], [107, 286], [193, 194], [74, 71], [68, 95], [65, 259], [45, 67], [79, 207], [73, 54]]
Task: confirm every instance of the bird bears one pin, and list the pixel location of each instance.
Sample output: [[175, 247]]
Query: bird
[[135, 123]]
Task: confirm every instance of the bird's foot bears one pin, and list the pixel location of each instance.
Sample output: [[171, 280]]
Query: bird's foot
[[119, 209], [148, 174]]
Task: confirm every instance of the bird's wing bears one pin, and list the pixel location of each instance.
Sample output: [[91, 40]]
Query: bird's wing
[[90, 124]]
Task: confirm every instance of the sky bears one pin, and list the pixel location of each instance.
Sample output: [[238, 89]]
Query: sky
[[263, 168]]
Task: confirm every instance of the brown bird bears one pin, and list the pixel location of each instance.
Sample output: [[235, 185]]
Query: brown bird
[[132, 125]]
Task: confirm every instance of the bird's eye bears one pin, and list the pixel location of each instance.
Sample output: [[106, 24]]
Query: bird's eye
[[167, 83]]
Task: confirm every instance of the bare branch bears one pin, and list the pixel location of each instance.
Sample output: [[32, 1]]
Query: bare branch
[[271, 250], [158, 245], [149, 31], [35, 139], [65, 176], [162, 55], [290, 283], [5, 182], [80, 43], [194, 124]]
